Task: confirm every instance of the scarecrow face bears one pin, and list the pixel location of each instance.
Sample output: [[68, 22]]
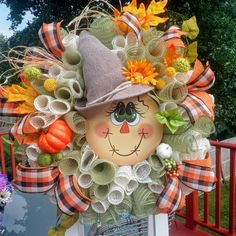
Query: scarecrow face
[[125, 132]]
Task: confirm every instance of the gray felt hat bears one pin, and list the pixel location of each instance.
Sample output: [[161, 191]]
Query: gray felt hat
[[102, 71]]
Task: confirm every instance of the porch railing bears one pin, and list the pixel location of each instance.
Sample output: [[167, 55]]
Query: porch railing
[[191, 213]]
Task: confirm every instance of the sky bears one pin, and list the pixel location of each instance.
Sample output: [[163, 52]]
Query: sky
[[5, 25]]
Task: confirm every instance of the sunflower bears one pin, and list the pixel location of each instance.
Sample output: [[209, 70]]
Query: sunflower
[[148, 17], [142, 72]]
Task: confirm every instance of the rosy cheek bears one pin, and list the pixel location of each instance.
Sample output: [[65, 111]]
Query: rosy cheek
[[146, 130], [101, 129]]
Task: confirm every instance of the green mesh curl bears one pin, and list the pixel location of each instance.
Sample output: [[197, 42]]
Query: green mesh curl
[[109, 217], [64, 93], [104, 29], [150, 34], [173, 92], [135, 52], [100, 192], [78, 141], [205, 126], [156, 163], [103, 172], [125, 206], [144, 202], [155, 50], [181, 142], [77, 123], [160, 68]]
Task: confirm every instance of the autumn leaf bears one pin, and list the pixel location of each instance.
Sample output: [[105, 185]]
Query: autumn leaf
[[191, 28], [147, 17], [171, 55], [191, 52], [24, 95]]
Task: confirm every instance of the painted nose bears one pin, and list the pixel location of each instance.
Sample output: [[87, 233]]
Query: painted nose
[[124, 128]]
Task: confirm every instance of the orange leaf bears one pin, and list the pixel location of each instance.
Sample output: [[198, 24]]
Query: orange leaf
[[171, 55]]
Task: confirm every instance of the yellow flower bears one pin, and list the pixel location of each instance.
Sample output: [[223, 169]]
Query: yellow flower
[[170, 71], [141, 72], [148, 17], [50, 84]]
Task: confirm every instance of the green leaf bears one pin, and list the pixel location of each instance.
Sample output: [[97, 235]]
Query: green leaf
[[191, 53], [191, 28], [68, 221], [171, 118], [161, 118]]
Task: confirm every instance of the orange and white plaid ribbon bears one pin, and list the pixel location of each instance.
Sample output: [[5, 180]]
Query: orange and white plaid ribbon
[[49, 35], [199, 103], [173, 37], [131, 21], [194, 174], [69, 197]]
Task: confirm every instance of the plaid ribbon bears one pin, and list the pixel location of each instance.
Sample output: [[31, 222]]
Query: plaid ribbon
[[171, 199], [197, 177], [132, 21], [192, 174], [195, 107], [7, 108], [49, 35], [203, 81], [173, 37], [69, 197], [35, 180], [198, 103]]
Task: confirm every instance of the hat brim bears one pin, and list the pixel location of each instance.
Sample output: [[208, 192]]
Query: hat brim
[[87, 110]]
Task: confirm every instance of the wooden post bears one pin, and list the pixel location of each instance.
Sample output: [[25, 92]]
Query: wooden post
[[192, 210], [158, 225]]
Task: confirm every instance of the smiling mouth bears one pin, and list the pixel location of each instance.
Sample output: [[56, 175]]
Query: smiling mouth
[[114, 150]]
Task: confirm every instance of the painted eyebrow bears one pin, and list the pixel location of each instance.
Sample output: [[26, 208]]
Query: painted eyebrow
[[142, 102]]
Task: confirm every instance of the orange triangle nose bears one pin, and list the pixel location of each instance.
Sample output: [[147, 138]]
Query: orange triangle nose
[[124, 128]]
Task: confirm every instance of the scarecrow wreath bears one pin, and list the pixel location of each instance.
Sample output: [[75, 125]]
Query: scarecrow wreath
[[114, 115]]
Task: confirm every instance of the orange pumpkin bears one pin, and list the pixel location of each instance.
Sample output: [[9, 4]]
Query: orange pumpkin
[[55, 138]]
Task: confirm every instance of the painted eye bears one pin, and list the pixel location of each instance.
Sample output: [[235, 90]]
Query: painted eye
[[118, 116], [132, 116]]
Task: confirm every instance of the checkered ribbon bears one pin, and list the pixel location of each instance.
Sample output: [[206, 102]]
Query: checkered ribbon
[[132, 21], [69, 197], [203, 81], [41, 179], [8, 108], [171, 198], [49, 35], [173, 36], [198, 103], [197, 177], [35, 180]]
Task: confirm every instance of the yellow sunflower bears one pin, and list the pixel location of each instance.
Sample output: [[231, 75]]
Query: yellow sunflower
[[142, 72]]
